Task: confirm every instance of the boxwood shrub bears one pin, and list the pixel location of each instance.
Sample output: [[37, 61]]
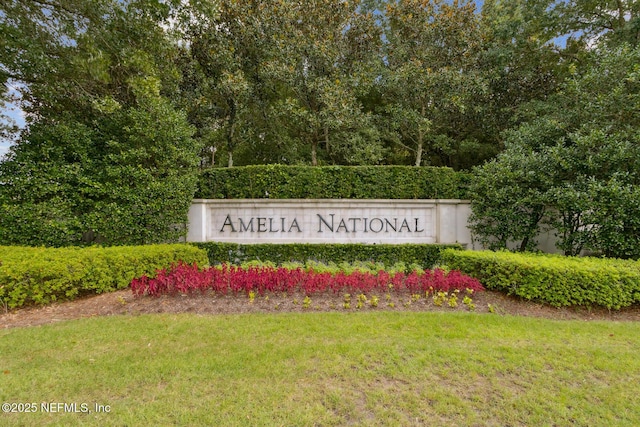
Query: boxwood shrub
[[553, 279], [332, 182], [424, 255], [38, 275]]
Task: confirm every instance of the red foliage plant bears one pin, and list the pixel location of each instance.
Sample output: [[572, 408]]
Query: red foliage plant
[[184, 279]]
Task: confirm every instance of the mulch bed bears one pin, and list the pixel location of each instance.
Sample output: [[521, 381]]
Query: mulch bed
[[124, 303]]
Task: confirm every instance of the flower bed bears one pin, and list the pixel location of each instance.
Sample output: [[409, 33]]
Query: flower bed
[[184, 279]]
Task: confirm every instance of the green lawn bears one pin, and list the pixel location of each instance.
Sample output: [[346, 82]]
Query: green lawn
[[388, 368]]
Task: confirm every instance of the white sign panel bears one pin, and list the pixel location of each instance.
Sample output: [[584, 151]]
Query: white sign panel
[[323, 221]]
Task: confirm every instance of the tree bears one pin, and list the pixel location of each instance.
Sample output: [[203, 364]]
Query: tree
[[520, 62], [327, 60], [590, 167], [587, 135], [509, 193], [596, 21], [106, 158], [431, 77], [223, 54], [282, 80], [35, 35]]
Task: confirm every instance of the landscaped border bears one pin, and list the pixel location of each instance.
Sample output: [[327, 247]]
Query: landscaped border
[[332, 182], [426, 256], [39, 275], [553, 279]]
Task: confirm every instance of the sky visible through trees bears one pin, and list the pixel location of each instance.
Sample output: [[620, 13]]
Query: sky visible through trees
[[232, 88], [128, 100], [17, 115]]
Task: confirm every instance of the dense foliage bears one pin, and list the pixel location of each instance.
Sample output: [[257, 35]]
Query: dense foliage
[[332, 182], [327, 82], [107, 157], [573, 167], [125, 98], [425, 256], [229, 279], [30, 275], [552, 279]]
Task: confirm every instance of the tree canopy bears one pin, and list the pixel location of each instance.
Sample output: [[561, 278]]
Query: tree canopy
[[127, 99], [107, 156]]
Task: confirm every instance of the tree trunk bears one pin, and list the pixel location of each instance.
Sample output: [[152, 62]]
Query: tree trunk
[[230, 144], [213, 156], [419, 152], [231, 132], [419, 155], [621, 14], [420, 141], [314, 153], [326, 137]]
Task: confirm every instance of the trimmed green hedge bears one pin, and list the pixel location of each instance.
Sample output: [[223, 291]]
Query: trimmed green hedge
[[423, 255], [41, 275], [332, 182], [553, 279]]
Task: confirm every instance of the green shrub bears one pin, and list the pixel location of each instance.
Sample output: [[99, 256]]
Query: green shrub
[[332, 182], [553, 279], [126, 178], [423, 255], [30, 275]]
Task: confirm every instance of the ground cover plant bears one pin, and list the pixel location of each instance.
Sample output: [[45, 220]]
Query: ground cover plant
[[426, 255], [373, 368], [314, 278]]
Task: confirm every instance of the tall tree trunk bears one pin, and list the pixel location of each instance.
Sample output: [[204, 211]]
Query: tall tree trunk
[[419, 150], [231, 132], [326, 137], [420, 141], [621, 14], [314, 153]]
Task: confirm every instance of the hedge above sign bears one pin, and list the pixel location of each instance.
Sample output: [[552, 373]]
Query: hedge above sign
[[332, 182], [328, 221]]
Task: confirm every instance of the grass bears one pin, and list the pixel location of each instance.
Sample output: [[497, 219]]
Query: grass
[[385, 368]]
